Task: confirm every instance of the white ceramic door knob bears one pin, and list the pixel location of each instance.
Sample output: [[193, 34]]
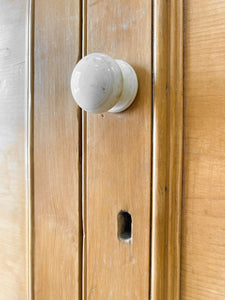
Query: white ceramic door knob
[[99, 84]]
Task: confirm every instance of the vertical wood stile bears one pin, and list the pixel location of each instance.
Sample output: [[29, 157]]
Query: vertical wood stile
[[57, 152], [117, 159], [203, 205], [30, 144], [167, 147]]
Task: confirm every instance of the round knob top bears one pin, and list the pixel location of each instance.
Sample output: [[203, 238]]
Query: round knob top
[[100, 83], [96, 82]]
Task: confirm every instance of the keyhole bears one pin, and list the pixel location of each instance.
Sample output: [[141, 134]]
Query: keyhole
[[124, 223]]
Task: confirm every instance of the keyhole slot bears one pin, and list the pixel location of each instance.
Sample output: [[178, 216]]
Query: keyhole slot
[[124, 223]]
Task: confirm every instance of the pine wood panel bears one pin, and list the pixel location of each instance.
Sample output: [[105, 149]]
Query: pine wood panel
[[57, 207], [203, 228], [117, 162], [167, 148], [14, 153]]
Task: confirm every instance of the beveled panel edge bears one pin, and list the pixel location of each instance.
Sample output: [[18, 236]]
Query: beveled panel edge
[[167, 148], [29, 75]]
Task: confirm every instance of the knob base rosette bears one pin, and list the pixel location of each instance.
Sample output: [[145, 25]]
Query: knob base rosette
[[129, 87]]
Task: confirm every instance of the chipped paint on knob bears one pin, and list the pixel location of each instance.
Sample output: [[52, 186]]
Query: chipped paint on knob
[[100, 83]]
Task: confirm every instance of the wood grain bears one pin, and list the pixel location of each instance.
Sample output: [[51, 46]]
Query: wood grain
[[57, 145], [203, 217], [14, 153], [167, 148], [117, 159]]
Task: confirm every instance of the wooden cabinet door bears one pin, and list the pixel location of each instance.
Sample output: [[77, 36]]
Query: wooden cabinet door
[[69, 178], [75, 177]]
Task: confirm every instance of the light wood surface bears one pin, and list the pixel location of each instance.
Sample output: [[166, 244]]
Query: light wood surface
[[167, 148], [14, 153], [203, 218], [117, 161], [57, 145], [116, 154]]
